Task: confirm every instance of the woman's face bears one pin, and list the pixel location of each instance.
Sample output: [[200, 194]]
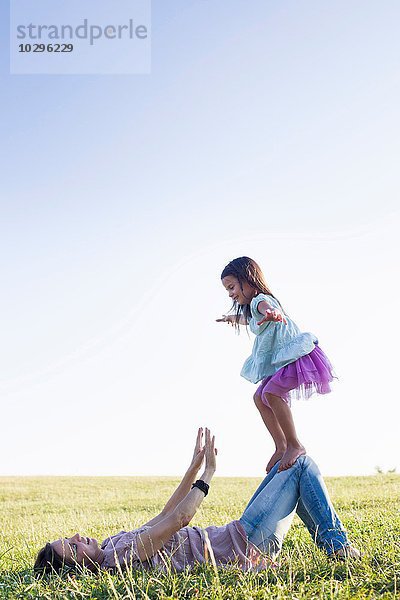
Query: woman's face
[[240, 293], [79, 550]]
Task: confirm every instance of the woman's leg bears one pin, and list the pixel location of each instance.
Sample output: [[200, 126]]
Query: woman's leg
[[269, 513], [262, 485], [283, 414], [316, 511], [274, 429], [301, 510]]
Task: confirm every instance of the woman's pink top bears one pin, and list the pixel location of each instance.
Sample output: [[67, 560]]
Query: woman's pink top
[[229, 545]]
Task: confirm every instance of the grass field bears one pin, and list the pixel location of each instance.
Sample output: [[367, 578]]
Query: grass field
[[36, 510]]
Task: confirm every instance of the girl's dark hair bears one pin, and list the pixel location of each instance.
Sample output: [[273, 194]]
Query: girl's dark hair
[[246, 270], [48, 561]]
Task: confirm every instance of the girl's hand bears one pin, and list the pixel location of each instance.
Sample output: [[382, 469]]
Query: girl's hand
[[226, 319], [210, 452], [272, 314], [199, 451]]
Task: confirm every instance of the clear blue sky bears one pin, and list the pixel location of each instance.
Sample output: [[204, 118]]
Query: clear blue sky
[[265, 128]]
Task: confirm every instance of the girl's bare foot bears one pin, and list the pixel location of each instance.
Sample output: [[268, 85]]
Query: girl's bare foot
[[290, 456], [277, 455]]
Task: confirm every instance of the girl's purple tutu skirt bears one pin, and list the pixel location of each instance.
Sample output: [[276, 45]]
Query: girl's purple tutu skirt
[[300, 379]]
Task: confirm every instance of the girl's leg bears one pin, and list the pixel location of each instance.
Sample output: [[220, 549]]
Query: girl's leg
[[269, 514], [283, 415], [271, 423], [316, 511]]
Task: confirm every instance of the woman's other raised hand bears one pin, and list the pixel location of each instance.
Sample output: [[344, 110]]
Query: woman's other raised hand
[[199, 451], [210, 452]]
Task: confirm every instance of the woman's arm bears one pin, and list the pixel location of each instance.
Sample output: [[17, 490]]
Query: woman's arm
[[154, 538], [187, 480]]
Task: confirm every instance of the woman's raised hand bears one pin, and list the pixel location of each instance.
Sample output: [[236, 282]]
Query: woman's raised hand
[[199, 451], [210, 452], [272, 314]]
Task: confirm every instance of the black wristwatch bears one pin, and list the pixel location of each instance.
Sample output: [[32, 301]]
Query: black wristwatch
[[202, 485]]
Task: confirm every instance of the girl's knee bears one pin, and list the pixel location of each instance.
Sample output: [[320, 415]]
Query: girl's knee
[[257, 400], [261, 400], [272, 400]]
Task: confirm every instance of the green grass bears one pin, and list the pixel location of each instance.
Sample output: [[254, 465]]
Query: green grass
[[36, 510]]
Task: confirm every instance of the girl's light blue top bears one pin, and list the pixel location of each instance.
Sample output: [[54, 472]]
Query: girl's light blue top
[[276, 344]]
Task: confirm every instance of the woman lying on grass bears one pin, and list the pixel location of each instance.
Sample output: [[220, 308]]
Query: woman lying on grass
[[251, 543]]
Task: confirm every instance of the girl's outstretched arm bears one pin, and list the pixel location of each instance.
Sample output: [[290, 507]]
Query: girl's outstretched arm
[[187, 480], [231, 319], [154, 538], [270, 313]]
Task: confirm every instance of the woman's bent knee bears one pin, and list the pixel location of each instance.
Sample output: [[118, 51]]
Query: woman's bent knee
[[308, 463]]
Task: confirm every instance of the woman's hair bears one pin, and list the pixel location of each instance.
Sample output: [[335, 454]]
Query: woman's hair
[[48, 561], [246, 270]]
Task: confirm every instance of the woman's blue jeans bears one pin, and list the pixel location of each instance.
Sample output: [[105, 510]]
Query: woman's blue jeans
[[300, 489]]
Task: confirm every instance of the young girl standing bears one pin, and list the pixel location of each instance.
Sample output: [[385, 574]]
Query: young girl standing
[[289, 363]]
